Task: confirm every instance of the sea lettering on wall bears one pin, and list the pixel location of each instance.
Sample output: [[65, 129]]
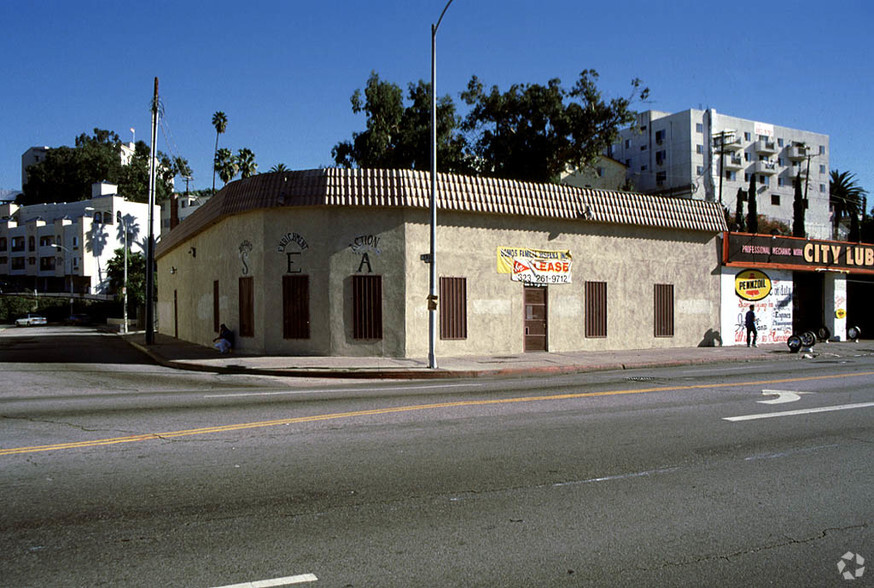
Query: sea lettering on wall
[[292, 245], [364, 245]]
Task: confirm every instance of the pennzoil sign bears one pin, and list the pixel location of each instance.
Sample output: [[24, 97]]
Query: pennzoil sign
[[752, 285]]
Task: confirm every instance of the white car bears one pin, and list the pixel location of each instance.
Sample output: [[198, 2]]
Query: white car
[[30, 321]]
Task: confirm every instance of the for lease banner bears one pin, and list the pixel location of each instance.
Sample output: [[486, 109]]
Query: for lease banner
[[541, 271], [507, 257]]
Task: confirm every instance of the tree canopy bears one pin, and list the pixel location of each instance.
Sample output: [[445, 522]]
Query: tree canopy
[[398, 136], [535, 132], [529, 132], [67, 173]]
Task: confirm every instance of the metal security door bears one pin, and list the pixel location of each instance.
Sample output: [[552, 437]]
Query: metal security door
[[535, 319]]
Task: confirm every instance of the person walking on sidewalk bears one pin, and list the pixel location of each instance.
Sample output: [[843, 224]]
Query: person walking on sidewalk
[[750, 322]]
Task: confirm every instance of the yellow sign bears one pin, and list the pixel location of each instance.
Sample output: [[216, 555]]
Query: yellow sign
[[752, 285], [507, 257], [841, 313]]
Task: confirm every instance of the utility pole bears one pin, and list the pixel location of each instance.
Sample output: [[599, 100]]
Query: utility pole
[[150, 245], [722, 135]]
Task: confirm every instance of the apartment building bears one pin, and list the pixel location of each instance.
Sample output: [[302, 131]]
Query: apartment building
[[704, 155], [65, 247]]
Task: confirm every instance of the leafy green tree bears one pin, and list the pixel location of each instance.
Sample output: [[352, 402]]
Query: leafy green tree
[[220, 122], [535, 132], [136, 278], [398, 136], [245, 161], [845, 197], [133, 181], [752, 207], [67, 173]]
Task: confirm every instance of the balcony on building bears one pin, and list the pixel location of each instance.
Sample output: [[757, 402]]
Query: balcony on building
[[734, 162], [731, 143], [796, 171], [766, 146], [797, 151], [766, 168]]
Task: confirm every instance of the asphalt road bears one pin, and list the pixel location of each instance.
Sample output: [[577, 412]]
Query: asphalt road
[[116, 472]]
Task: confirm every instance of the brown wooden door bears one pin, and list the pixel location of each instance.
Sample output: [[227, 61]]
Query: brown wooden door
[[535, 319]]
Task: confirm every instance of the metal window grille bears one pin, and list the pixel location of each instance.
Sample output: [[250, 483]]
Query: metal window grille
[[663, 310], [596, 309], [453, 308], [215, 307], [367, 307], [247, 307], [296, 307]]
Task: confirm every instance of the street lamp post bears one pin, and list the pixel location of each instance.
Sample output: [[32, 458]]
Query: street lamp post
[[59, 247], [432, 259], [124, 287]]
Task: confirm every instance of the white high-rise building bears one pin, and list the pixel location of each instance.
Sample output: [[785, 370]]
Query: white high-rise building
[[65, 247], [705, 155]]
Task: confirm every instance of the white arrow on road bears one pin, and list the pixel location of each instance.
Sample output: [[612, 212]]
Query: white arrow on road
[[783, 396]]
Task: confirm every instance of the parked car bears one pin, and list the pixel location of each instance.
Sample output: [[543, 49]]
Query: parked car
[[78, 319], [30, 320]]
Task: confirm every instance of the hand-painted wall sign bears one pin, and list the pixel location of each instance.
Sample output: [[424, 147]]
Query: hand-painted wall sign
[[285, 243], [362, 245], [245, 250]]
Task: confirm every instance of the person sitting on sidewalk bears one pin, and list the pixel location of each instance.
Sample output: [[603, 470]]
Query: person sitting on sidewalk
[[225, 341]]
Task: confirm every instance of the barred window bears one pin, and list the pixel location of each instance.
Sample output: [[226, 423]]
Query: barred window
[[453, 308], [247, 307], [663, 310], [596, 309], [367, 307]]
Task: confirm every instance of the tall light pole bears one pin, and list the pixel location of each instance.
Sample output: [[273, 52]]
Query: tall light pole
[[150, 245], [432, 259], [59, 247], [124, 287]]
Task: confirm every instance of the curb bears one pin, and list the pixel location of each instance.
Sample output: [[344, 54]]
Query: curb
[[424, 374]]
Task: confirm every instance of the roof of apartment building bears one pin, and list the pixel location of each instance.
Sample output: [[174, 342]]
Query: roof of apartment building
[[381, 188]]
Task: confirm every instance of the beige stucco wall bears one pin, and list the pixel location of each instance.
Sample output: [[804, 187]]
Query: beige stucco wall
[[330, 245], [327, 244], [630, 259]]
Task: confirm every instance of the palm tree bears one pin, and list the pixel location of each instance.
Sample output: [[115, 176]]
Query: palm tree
[[246, 163], [225, 164], [845, 197], [220, 122], [279, 168], [752, 207]]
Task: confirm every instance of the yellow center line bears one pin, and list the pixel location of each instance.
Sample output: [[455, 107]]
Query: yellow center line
[[400, 409]]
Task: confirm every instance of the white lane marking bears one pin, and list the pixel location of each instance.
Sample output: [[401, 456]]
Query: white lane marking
[[616, 477], [287, 581], [771, 415], [335, 390], [783, 396], [790, 452]]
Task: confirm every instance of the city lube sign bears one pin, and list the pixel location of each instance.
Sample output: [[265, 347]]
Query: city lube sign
[[797, 253]]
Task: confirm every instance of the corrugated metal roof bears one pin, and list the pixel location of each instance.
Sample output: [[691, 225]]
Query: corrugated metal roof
[[389, 188]]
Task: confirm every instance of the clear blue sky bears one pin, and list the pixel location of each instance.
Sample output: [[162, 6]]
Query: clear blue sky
[[283, 71]]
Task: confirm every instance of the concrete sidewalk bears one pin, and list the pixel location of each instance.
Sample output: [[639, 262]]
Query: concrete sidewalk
[[175, 353]]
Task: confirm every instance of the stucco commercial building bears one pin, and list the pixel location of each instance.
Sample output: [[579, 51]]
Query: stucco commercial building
[[796, 285], [329, 262]]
